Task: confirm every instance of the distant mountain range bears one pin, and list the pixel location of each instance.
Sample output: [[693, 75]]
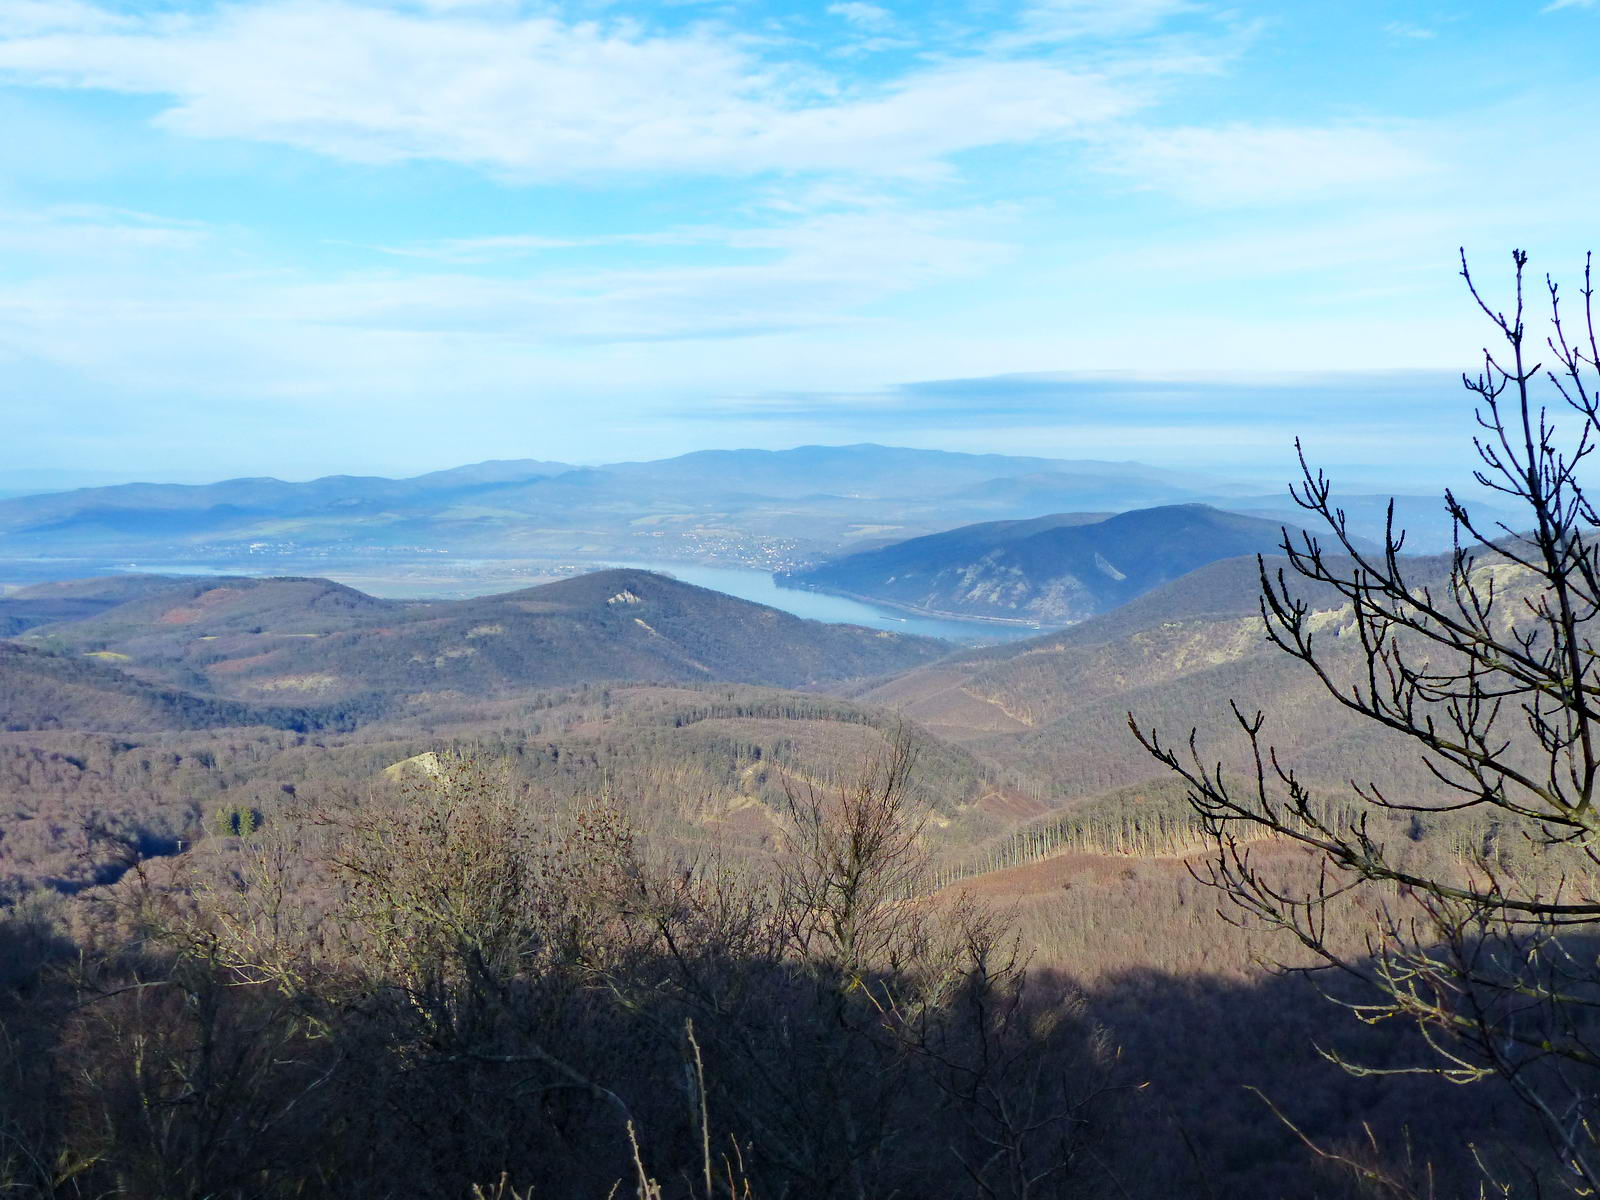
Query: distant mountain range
[[768, 510], [753, 507], [1054, 569]]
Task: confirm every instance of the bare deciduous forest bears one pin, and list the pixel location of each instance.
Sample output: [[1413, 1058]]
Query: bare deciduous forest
[[926, 926]]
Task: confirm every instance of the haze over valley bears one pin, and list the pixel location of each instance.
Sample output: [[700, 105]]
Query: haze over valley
[[858, 601], [157, 726]]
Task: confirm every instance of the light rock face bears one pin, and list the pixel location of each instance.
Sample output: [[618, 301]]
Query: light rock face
[[426, 765], [315, 684], [1106, 568]]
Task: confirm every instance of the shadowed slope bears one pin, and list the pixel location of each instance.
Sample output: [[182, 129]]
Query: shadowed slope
[[46, 691], [1052, 569]]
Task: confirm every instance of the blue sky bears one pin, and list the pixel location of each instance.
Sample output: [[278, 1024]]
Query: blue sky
[[383, 237]]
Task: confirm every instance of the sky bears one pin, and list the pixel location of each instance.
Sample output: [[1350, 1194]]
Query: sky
[[303, 237]]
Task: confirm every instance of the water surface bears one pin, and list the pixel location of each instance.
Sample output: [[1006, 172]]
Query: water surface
[[484, 577], [761, 588]]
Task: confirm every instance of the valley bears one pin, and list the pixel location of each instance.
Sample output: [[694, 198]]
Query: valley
[[486, 524], [842, 601], [178, 730]]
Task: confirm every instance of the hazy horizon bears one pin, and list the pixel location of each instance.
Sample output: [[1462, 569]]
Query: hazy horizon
[[1348, 476], [303, 237], [1389, 430]]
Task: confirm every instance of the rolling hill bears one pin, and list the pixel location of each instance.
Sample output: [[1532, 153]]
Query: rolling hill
[[309, 640], [40, 691], [74, 599], [1056, 706], [151, 703], [1049, 570]]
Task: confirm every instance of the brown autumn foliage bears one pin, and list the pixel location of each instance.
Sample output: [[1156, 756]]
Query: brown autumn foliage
[[441, 984], [1485, 670], [663, 940], [1137, 967]]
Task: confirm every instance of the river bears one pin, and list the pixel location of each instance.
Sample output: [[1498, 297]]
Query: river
[[459, 578], [759, 587]]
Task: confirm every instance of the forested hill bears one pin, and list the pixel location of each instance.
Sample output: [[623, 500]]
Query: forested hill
[[1051, 569], [311, 641], [80, 599], [1057, 705], [40, 691]]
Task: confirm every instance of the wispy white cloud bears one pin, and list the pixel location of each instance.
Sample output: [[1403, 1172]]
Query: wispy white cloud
[[488, 249], [539, 97], [233, 366], [1068, 20], [1253, 164], [67, 233], [23, 18], [319, 335], [862, 15], [496, 248], [1405, 29], [825, 225]]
